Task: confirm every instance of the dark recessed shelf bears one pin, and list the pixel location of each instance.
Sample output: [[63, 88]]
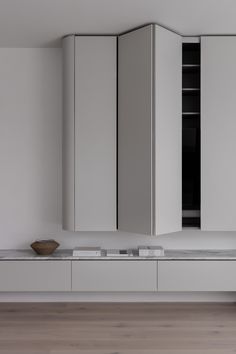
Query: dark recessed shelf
[[189, 89], [191, 54], [188, 213], [190, 113], [191, 127], [192, 222], [191, 65]]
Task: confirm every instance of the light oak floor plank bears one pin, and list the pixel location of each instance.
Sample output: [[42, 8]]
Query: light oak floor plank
[[112, 328]]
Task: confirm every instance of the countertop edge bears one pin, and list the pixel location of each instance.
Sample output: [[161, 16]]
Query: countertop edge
[[170, 255]]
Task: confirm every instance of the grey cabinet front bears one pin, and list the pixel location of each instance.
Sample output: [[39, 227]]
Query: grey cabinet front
[[35, 276], [218, 124], [89, 133], [114, 275], [196, 275]]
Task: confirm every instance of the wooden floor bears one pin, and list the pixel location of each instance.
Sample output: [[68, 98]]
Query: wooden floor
[[117, 328]]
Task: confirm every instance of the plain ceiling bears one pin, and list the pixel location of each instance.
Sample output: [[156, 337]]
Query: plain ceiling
[[42, 23]]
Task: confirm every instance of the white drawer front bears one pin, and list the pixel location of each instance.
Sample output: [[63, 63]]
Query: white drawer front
[[114, 275], [197, 275], [35, 275]]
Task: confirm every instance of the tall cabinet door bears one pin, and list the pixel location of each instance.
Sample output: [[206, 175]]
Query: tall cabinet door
[[218, 133], [89, 133], [168, 131], [135, 134], [149, 131]]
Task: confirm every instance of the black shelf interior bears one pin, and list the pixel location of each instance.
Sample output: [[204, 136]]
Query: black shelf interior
[[191, 222], [191, 53], [191, 101], [191, 77], [191, 184]]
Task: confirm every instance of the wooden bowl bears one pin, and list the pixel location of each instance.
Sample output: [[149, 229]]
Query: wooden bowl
[[44, 247]]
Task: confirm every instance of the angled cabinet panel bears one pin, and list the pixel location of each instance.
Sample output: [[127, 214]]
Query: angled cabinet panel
[[149, 131], [90, 133], [168, 131], [218, 125], [135, 131]]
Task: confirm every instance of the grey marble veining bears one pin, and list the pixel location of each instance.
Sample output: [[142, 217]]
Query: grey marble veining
[[201, 254], [11, 255], [29, 254]]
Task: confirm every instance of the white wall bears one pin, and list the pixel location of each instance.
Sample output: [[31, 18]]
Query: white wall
[[30, 161], [30, 116]]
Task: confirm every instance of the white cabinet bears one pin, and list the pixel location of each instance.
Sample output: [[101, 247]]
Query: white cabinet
[[89, 133], [196, 275], [149, 131], [114, 275], [218, 126], [117, 275], [35, 276]]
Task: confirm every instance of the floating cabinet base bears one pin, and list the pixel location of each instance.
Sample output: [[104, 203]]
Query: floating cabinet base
[[120, 275]]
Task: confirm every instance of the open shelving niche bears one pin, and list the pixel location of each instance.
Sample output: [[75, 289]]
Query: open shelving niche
[[191, 187]]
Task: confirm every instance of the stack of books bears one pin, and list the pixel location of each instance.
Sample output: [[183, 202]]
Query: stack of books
[[151, 251], [87, 252]]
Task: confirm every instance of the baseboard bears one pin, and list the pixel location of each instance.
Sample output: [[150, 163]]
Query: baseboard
[[120, 297]]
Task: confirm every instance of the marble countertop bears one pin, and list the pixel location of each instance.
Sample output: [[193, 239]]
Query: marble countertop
[[11, 255]]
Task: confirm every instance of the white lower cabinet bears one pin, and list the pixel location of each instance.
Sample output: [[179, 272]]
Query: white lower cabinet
[[114, 275], [197, 275], [117, 275], [35, 276]]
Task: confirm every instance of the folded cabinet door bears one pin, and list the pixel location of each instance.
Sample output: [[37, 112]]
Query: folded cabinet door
[[149, 131]]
